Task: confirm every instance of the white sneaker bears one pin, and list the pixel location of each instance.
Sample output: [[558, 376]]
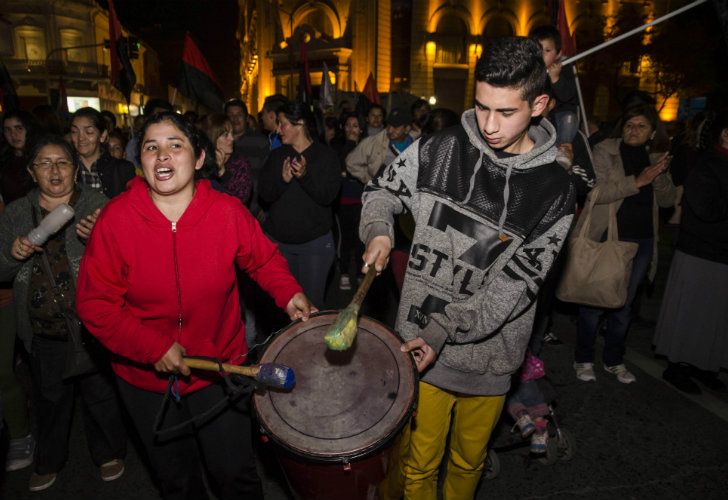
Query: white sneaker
[[623, 374], [344, 282], [585, 372]]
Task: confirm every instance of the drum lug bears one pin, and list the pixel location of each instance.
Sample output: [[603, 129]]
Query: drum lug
[[347, 467]]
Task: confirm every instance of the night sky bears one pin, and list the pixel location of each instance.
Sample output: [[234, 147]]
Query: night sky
[[162, 25]]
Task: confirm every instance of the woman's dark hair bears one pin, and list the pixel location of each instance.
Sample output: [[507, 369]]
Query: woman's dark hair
[[296, 112], [53, 140], [189, 130], [213, 126], [345, 117], [639, 110], [97, 119], [209, 167], [32, 129], [661, 141]]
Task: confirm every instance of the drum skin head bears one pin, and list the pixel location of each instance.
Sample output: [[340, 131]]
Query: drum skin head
[[345, 404]]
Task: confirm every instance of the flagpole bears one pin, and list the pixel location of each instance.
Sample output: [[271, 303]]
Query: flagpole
[[632, 32], [581, 101]]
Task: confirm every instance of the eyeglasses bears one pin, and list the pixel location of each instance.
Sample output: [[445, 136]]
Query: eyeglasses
[[59, 164]]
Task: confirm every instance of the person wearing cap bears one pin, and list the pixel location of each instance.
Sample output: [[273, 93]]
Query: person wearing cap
[[381, 149]]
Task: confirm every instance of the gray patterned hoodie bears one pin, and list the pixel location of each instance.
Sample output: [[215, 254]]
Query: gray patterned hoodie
[[488, 228]]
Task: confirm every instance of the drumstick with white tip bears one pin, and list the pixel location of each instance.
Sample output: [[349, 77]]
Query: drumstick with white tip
[[270, 374]]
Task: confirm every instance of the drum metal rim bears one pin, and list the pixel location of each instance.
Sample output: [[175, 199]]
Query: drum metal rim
[[341, 458]]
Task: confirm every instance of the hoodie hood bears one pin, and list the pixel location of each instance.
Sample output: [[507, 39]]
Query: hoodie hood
[[141, 202], [542, 134]]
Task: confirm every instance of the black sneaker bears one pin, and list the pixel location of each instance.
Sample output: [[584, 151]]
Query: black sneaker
[[708, 379], [677, 376]]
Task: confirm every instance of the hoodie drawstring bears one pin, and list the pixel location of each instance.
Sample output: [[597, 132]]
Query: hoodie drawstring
[[506, 196], [472, 178]]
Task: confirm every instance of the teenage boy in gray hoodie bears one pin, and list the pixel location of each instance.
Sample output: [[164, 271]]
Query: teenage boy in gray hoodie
[[492, 210]]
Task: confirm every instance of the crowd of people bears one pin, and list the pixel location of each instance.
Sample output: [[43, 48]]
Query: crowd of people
[[188, 231]]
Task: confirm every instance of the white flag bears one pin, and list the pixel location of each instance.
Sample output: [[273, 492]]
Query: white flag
[[327, 89]]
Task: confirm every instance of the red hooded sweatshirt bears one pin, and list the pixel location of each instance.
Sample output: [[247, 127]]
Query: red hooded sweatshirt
[[145, 282]]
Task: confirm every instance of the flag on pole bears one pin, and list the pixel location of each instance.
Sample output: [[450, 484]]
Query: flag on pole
[[305, 76], [568, 39], [122, 73], [62, 108], [327, 89], [370, 90], [197, 80], [8, 96]]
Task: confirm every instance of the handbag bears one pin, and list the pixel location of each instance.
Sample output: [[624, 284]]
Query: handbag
[[597, 272], [79, 360]]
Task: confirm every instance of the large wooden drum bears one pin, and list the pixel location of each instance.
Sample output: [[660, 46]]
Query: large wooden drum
[[333, 428]]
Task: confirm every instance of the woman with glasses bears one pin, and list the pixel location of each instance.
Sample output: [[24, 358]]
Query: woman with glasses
[[99, 170], [634, 177], [299, 183], [44, 287]]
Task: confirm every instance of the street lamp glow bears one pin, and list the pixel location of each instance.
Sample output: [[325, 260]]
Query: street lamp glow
[[432, 100]]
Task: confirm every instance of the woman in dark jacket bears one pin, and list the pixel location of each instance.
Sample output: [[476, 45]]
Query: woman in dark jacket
[[691, 330], [99, 170], [45, 310], [300, 182]]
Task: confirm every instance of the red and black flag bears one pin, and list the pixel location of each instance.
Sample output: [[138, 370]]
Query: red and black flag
[[122, 74], [196, 78], [8, 96], [568, 39]]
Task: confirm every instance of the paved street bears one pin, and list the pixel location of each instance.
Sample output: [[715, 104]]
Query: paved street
[[642, 441]]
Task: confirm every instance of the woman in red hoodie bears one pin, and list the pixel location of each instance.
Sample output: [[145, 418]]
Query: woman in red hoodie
[[157, 281]]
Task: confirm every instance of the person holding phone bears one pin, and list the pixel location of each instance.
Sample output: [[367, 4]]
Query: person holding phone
[[299, 184]]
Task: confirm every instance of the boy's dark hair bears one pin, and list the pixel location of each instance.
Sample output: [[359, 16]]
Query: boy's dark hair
[[547, 32], [514, 62], [274, 103], [236, 103]]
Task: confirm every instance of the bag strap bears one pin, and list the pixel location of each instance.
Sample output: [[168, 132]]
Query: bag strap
[[587, 213], [54, 286], [612, 231]]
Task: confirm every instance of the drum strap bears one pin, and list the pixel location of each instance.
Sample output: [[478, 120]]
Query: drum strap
[[236, 387]]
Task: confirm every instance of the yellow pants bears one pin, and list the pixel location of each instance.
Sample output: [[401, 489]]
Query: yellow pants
[[417, 455]]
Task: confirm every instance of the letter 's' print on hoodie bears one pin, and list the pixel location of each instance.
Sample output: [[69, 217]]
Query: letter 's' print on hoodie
[[487, 231]]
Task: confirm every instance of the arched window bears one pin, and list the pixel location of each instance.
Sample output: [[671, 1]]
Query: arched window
[[319, 21], [451, 39], [73, 38], [30, 43]]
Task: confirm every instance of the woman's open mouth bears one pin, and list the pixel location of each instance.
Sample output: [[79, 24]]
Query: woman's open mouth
[[163, 173]]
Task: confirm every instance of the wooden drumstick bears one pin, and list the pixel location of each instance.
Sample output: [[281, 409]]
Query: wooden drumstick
[[270, 374]]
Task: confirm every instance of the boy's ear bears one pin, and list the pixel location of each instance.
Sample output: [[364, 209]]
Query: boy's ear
[[539, 104]]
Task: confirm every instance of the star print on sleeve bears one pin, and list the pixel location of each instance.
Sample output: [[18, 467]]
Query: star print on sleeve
[[554, 240]]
